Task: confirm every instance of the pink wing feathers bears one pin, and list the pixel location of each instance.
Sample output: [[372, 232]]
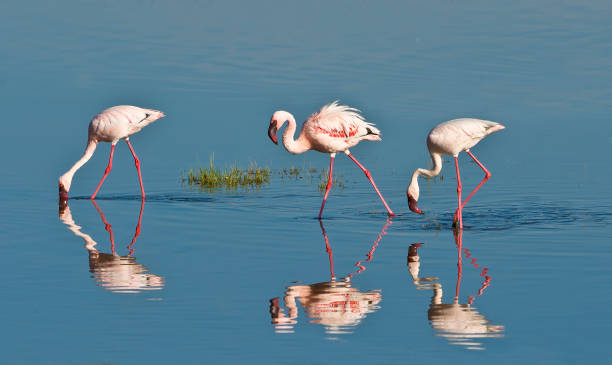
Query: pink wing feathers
[[121, 121], [341, 121]]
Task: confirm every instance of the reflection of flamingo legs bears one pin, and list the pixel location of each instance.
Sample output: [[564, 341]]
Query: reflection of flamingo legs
[[458, 241], [108, 228], [120, 274], [460, 324], [487, 279], [331, 303], [137, 232], [370, 255], [328, 249]]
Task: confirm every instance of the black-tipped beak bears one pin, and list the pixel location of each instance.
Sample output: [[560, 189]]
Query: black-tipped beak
[[412, 204], [272, 132]]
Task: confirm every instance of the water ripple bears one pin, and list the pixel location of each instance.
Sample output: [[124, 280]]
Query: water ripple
[[542, 216]]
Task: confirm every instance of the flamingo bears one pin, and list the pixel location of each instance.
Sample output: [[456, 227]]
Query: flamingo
[[450, 138], [334, 128], [111, 125]]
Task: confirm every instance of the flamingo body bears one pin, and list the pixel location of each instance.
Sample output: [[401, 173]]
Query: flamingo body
[[454, 136], [120, 122], [334, 128], [451, 138], [111, 125]]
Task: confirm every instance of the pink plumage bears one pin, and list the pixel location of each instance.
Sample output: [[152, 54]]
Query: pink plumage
[[334, 128], [111, 125], [450, 138]]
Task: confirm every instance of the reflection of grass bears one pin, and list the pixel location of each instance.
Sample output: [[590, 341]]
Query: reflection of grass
[[233, 177]]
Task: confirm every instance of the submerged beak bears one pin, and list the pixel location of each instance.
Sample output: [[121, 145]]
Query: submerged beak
[[272, 132], [412, 204], [63, 193]]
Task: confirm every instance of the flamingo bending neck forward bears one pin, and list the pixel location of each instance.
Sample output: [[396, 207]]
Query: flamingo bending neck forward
[[111, 125], [450, 138], [334, 128]]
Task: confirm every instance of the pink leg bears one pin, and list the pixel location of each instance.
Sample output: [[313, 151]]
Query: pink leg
[[458, 194], [108, 169], [367, 173], [329, 184], [487, 176], [137, 233], [137, 162]]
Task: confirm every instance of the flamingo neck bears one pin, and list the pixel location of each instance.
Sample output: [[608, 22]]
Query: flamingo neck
[[292, 145], [436, 158], [66, 179]]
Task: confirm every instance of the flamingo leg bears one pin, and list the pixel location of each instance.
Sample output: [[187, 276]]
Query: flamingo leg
[[108, 169], [459, 194], [329, 183], [137, 163], [487, 176], [137, 233], [369, 176]]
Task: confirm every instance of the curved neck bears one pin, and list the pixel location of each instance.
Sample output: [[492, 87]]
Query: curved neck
[[292, 145], [436, 158], [66, 179]]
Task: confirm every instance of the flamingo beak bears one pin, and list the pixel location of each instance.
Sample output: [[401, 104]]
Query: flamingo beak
[[412, 204], [63, 193], [272, 132]]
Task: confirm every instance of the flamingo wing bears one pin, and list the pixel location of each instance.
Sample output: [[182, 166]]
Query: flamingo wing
[[476, 129], [340, 121]]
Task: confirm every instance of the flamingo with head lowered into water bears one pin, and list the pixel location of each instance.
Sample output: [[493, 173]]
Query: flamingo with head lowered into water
[[335, 128], [111, 125], [450, 138]]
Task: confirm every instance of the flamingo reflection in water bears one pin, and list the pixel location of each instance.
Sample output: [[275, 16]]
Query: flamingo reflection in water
[[336, 304], [460, 324], [119, 274]]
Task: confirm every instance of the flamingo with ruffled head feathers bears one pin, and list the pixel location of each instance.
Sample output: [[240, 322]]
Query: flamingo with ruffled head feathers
[[111, 125], [450, 138], [335, 128]]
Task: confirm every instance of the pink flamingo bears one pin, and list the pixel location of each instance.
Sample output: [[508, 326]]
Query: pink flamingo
[[111, 125], [450, 138], [334, 128]]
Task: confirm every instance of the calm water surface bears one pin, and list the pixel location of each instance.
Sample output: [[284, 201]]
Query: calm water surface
[[251, 276]]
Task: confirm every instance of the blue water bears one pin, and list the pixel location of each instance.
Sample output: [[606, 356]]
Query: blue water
[[246, 276]]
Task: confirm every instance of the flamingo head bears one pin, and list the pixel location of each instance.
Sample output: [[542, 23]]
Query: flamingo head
[[276, 122], [412, 193], [64, 187]]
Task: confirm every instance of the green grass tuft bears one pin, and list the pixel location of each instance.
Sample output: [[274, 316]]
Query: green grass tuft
[[229, 178]]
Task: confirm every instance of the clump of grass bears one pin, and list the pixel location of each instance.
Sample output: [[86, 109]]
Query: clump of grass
[[230, 178]]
